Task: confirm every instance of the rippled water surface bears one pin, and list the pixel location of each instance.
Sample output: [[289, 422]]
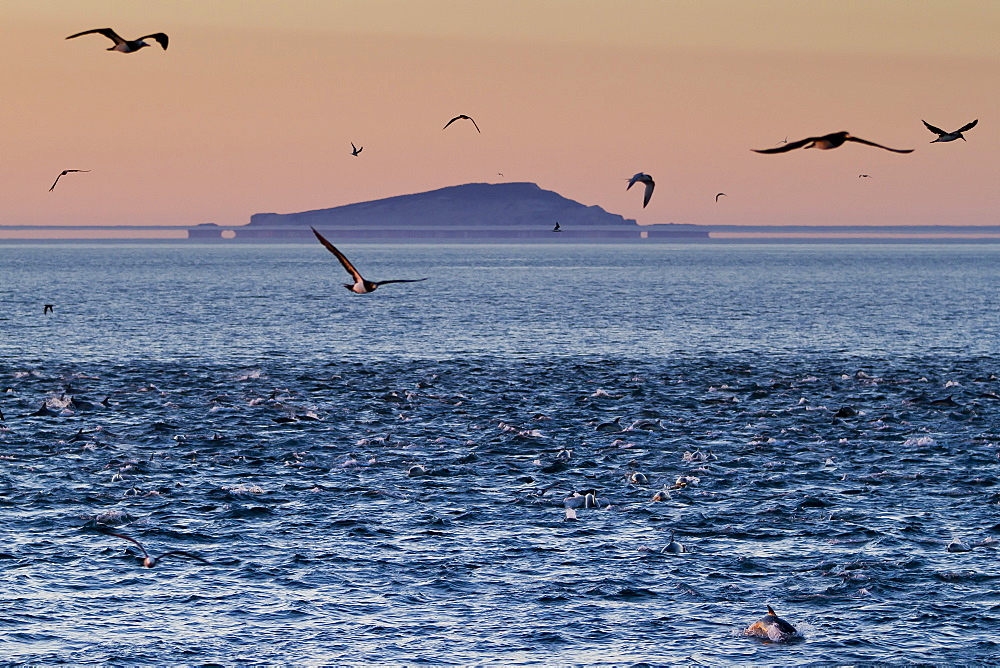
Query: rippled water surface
[[383, 478]]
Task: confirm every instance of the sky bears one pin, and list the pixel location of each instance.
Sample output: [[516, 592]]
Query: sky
[[254, 105]]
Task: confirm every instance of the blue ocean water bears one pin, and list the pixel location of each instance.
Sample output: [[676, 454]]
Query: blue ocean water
[[383, 478]]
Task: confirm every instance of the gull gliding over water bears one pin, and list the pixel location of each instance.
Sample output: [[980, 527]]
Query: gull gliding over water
[[149, 561], [125, 45], [360, 285], [64, 173], [462, 117], [950, 136], [826, 142], [647, 180]]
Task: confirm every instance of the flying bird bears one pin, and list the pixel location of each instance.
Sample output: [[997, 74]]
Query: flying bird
[[718, 195], [125, 45], [647, 180], [867, 176], [360, 285], [827, 142], [64, 173], [149, 561], [355, 150], [950, 136], [462, 117], [49, 308]]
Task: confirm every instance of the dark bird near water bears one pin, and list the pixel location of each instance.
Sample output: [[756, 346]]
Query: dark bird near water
[[646, 180], [125, 45], [950, 136], [355, 150], [557, 228], [772, 627], [718, 195], [149, 561], [360, 285], [49, 308], [64, 173], [827, 142], [462, 117]]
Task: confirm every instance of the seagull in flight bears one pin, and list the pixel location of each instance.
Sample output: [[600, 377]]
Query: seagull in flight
[[355, 150], [827, 142], [462, 117], [125, 45], [950, 136], [647, 180], [718, 195], [64, 173], [149, 561], [360, 285]]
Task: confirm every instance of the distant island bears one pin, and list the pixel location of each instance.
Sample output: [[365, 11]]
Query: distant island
[[468, 212]]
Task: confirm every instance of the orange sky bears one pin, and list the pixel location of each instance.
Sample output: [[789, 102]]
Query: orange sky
[[255, 103]]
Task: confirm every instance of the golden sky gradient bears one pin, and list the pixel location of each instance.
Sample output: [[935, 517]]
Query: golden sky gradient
[[254, 106]]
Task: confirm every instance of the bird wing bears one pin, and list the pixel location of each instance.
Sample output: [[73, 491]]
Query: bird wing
[[401, 280], [937, 131], [183, 554], [450, 122], [635, 179], [786, 147], [56, 181], [649, 192], [159, 37], [340, 256], [720, 195], [128, 538], [968, 126], [871, 143], [474, 123], [107, 32]]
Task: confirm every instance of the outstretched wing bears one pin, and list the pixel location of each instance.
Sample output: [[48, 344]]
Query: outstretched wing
[[183, 554], [128, 538], [937, 131], [159, 37], [474, 123], [450, 122], [871, 143], [107, 32], [56, 181], [968, 126], [785, 147], [340, 256], [401, 280], [649, 192]]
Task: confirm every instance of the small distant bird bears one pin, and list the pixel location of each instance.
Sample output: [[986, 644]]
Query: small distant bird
[[772, 627], [64, 173], [718, 195], [827, 142], [49, 308], [866, 176], [462, 117], [149, 561], [950, 136], [125, 45], [360, 285], [355, 150], [783, 141], [557, 228], [647, 180]]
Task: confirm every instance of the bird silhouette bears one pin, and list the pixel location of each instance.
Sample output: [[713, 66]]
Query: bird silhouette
[[360, 285], [125, 45], [355, 150], [64, 173], [148, 561], [718, 195], [462, 117], [950, 136], [826, 142], [646, 180]]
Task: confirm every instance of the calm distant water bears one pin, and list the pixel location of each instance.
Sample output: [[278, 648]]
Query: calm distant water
[[831, 413]]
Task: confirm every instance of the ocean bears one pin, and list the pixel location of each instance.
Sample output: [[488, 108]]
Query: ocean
[[383, 478]]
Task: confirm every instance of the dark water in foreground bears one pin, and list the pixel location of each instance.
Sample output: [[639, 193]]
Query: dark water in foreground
[[834, 411]]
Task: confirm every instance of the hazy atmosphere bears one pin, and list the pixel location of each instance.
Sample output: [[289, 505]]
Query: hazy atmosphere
[[254, 105]]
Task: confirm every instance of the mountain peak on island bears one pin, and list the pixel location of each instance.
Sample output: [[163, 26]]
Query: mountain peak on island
[[466, 205]]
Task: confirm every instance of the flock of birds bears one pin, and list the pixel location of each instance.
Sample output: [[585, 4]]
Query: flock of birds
[[770, 626]]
